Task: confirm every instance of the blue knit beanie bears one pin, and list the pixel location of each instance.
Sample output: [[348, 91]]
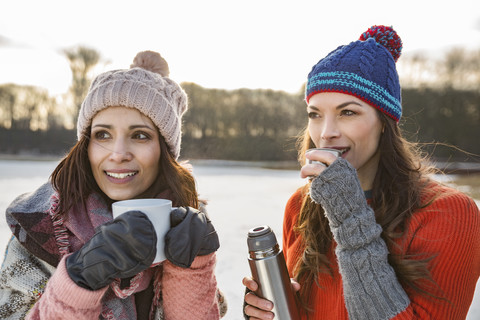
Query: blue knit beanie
[[365, 69]]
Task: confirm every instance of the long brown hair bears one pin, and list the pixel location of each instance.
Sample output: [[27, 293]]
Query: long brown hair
[[396, 194], [74, 181]]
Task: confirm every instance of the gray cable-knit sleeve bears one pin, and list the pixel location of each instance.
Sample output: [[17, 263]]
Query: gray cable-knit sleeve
[[370, 285]]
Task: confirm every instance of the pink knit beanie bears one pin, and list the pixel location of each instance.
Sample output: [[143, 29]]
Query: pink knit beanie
[[145, 87]]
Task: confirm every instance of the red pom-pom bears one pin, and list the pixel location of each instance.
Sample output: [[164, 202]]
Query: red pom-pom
[[387, 37]]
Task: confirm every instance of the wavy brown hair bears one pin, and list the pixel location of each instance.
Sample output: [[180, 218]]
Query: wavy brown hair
[[396, 194], [74, 181]]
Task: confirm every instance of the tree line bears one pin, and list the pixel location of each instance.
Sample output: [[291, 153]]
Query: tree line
[[257, 124]]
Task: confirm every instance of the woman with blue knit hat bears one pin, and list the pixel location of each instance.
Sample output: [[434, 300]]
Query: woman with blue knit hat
[[371, 235], [69, 258]]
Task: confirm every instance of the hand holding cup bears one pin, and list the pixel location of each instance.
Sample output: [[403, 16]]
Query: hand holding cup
[[317, 160], [158, 212]]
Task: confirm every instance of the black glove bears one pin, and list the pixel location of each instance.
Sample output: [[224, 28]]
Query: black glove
[[191, 234], [119, 249]]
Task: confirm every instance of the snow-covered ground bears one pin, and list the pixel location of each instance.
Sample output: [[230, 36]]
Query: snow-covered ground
[[240, 198]]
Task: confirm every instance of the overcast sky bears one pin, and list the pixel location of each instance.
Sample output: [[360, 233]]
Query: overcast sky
[[222, 43]]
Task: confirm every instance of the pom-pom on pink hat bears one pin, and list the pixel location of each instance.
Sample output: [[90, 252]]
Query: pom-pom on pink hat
[[145, 87]]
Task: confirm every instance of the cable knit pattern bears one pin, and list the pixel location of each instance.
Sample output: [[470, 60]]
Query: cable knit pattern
[[192, 290], [367, 59], [392, 78], [367, 277]]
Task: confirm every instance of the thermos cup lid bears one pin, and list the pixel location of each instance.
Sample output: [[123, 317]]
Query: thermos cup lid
[[261, 238]]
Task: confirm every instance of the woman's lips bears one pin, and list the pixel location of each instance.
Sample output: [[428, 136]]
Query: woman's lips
[[120, 177]]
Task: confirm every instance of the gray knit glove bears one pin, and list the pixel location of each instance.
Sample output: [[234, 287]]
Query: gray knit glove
[[370, 285]]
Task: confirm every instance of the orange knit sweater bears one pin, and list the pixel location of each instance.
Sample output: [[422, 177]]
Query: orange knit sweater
[[449, 228]]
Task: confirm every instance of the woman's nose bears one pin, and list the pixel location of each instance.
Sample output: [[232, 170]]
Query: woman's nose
[[330, 130], [121, 152]]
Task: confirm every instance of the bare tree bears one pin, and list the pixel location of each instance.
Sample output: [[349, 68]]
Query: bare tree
[[82, 60], [7, 105], [460, 69], [25, 107], [417, 70]]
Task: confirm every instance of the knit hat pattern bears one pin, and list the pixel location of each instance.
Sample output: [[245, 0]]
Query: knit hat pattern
[[365, 68], [154, 95]]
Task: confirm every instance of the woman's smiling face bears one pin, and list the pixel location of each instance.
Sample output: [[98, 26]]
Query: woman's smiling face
[[344, 122], [124, 152]]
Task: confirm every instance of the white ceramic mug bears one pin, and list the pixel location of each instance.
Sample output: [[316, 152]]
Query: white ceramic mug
[[157, 211]]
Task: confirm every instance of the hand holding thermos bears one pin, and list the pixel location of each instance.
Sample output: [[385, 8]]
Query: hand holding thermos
[[270, 273]]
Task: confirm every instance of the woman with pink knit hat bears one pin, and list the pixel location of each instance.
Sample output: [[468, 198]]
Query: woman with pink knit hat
[[69, 259], [371, 236]]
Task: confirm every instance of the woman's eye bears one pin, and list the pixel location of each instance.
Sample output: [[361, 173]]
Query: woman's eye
[[347, 112], [141, 136], [101, 135], [313, 115]]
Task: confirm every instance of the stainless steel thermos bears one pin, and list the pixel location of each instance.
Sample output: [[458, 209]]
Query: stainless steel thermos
[[269, 270]]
